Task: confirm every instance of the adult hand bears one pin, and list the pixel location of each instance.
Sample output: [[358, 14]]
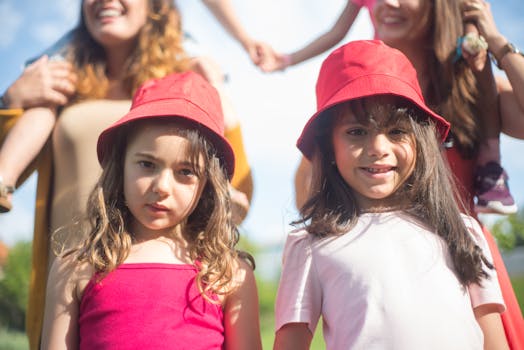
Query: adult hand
[[45, 82], [275, 62], [479, 12], [474, 48], [258, 51]]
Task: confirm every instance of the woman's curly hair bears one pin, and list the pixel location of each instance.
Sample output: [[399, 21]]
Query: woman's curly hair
[[158, 52]]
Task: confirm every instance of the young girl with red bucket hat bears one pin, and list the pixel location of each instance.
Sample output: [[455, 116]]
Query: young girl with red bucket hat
[[382, 252], [158, 268]]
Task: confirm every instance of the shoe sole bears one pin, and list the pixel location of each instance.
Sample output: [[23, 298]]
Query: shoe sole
[[497, 208]]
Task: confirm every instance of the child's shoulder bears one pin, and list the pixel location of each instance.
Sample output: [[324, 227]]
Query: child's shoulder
[[242, 282], [242, 271], [471, 223], [298, 238], [475, 230]]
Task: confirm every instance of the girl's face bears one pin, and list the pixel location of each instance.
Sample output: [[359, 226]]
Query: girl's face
[[400, 21], [161, 186], [373, 156], [115, 23]]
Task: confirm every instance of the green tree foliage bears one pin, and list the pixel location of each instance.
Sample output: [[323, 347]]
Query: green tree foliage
[[509, 231], [14, 286]]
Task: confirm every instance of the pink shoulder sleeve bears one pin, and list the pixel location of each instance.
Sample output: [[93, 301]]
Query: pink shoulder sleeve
[[489, 291], [299, 292]]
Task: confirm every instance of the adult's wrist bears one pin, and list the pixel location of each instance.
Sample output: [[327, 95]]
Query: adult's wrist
[[498, 54], [287, 60], [8, 102], [496, 43]]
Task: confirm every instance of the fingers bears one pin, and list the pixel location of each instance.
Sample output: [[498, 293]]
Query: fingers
[[46, 82], [63, 79], [209, 69], [473, 5]]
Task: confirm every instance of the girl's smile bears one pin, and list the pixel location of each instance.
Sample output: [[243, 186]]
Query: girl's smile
[[374, 157], [116, 23], [397, 21]]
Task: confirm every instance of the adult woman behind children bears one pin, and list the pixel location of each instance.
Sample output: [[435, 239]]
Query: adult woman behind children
[[116, 47], [427, 35]]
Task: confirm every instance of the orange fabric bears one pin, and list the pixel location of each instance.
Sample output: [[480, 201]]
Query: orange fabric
[[242, 179], [38, 277], [463, 170]]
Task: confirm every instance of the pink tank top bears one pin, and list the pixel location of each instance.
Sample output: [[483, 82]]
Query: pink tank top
[[149, 306]]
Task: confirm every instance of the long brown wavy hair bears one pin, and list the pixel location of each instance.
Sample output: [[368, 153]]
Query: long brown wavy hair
[[429, 193], [453, 90], [208, 230], [158, 52]]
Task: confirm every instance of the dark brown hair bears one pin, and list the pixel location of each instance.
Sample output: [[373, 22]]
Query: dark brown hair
[[453, 90], [430, 193]]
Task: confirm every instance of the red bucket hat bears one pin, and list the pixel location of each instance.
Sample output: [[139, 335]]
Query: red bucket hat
[[186, 96], [365, 68]]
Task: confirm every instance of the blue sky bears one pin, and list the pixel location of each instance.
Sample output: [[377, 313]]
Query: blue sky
[[273, 108]]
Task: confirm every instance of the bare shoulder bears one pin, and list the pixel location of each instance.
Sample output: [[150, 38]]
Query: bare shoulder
[[242, 273], [241, 321]]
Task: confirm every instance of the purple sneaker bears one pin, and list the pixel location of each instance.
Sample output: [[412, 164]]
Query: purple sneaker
[[493, 196]]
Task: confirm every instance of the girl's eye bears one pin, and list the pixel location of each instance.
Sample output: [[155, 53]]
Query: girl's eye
[[356, 132], [146, 164], [186, 172], [397, 132]]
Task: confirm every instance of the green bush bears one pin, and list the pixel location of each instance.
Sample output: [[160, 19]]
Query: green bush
[[14, 287], [509, 231]]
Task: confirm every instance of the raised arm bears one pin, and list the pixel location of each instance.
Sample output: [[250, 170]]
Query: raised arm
[[241, 321], [224, 13], [511, 90], [319, 45]]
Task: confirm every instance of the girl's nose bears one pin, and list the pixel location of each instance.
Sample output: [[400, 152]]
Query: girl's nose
[[378, 145], [163, 182]]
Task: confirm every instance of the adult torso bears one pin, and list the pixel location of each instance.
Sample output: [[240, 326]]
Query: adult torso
[[75, 166]]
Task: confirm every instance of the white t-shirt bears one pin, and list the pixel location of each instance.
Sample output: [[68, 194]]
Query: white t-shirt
[[389, 283]]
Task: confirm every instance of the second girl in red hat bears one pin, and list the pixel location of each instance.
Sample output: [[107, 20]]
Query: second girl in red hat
[[159, 268], [382, 252]]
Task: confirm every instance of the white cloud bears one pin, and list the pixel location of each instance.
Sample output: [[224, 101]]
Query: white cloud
[[11, 23]]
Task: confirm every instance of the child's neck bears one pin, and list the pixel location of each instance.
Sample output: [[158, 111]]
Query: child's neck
[[389, 204], [151, 246]]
